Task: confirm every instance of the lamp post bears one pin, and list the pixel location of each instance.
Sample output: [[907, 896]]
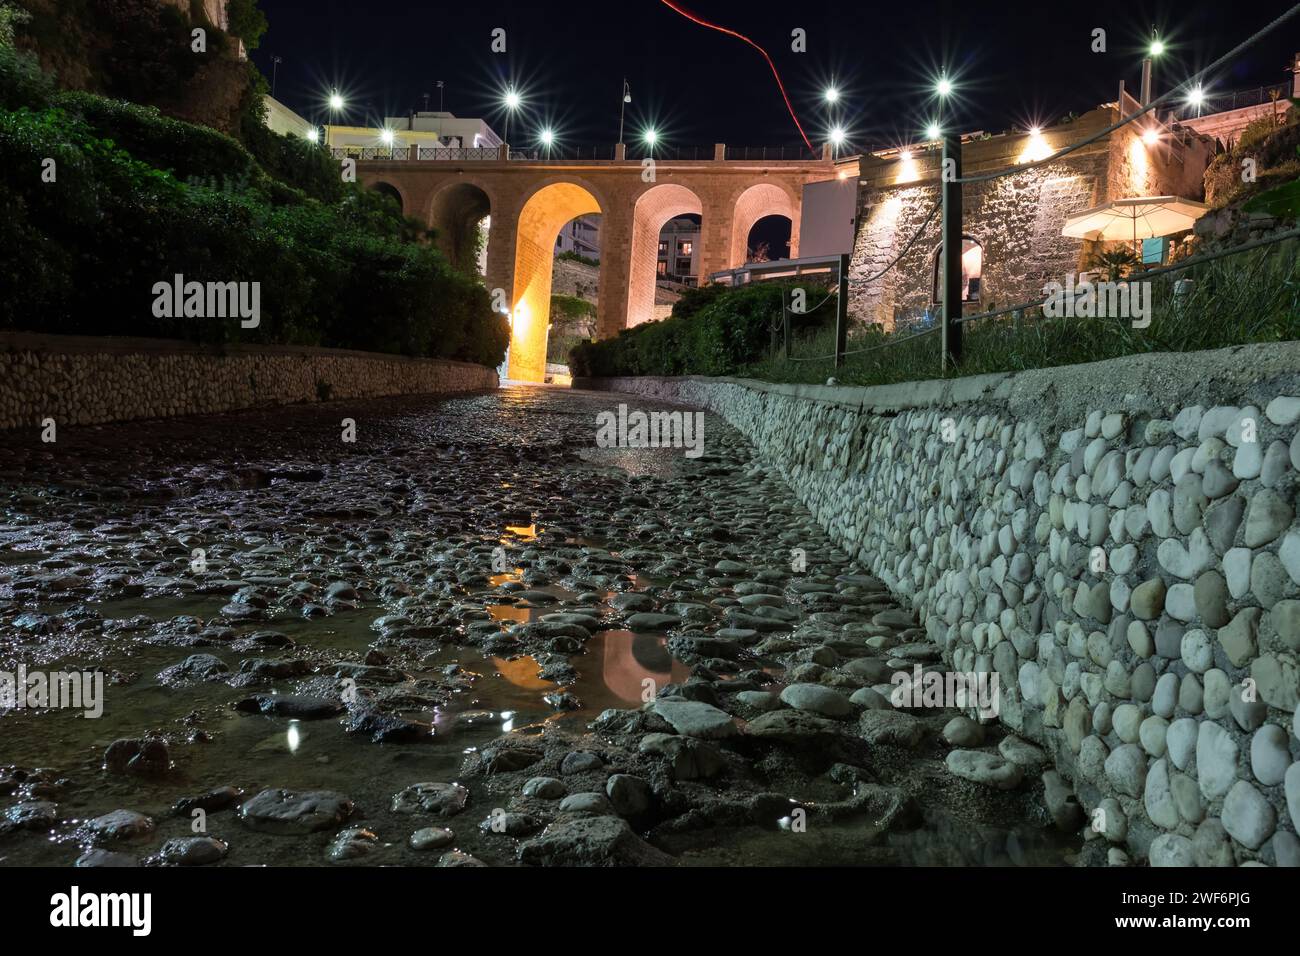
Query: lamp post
[[837, 138], [335, 105], [512, 103], [275, 69], [1156, 48], [622, 109]]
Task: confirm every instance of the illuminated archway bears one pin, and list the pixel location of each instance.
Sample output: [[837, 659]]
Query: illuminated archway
[[654, 209], [755, 203], [457, 212], [540, 220]]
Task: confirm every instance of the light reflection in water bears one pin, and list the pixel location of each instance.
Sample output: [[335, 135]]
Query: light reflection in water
[[293, 736]]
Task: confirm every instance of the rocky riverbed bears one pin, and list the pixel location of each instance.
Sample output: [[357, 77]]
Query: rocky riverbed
[[470, 637]]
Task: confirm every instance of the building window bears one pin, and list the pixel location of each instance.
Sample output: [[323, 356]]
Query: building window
[[683, 267], [684, 248], [972, 271], [663, 248], [662, 267]]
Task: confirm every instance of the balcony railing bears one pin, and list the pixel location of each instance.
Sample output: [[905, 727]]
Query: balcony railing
[[371, 152], [459, 153], [1239, 99]]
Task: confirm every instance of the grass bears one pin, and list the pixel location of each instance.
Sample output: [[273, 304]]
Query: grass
[[1249, 297]]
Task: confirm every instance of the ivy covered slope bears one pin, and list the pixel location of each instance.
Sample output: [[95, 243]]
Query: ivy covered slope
[[100, 199]]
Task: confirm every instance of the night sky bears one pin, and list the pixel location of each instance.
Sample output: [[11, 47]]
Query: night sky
[[1014, 64]]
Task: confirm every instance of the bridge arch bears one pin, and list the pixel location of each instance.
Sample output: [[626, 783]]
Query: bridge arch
[[544, 211], [653, 209], [752, 204], [456, 211], [385, 188]]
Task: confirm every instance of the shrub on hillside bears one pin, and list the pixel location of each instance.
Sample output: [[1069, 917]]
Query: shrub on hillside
[[714, 330], [345, 275], [184, 149]]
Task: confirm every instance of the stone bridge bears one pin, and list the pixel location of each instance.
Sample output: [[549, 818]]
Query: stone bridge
[[529, 201]]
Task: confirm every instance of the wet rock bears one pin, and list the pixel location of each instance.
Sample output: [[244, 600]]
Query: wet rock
[[506, 758], [386, 728], [648, 621], [293, 706], [459, 858], [31, 815], [990, 770], [591, 841], [688, 758], [351, 844], [192, 851], [431, 838], [444, 799], [695, 719], [511, 824], [891, 728], [818, 700], [290, 812], [963, 732], [98, 856], [630, 795], [196, 667], [585, 803], [213, 801], [580, 761], [119, 825], [544, 788], [146, 758]]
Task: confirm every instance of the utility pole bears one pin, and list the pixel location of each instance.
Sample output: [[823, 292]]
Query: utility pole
[[275, 69], [951, 249]]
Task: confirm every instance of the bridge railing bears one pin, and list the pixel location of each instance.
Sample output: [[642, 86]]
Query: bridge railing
[[458, 153], [371, 152], [773, 153], [543, 154]]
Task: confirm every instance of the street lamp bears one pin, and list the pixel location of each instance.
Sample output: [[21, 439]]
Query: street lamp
[[943, 87], [1196, 98], [548, 139], [650, 137], [832, 95], [386, 137], [336, 105], [512, 102], [837, 138], [933, 132], [622, 110], [1156, 48]]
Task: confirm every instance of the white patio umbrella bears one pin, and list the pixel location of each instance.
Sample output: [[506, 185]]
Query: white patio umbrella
[[1135, 219]]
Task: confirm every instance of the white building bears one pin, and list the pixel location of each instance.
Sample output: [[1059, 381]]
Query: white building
[[281, 119], [580, 236], [417, 129]]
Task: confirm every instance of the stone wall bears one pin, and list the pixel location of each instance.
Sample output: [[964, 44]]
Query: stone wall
[[1118, 542], [81, 381], [1016, 219]]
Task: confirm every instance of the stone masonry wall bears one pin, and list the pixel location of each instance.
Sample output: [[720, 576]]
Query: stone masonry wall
[[1118, 542], [83, 381]]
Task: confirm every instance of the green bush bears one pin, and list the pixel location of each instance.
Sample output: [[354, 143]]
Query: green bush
[[94, 243], [22, 83], [714, 330], [184, 149]]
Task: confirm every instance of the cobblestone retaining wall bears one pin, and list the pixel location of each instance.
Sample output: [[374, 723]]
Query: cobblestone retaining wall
[[1118, 542], [82, 381]]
